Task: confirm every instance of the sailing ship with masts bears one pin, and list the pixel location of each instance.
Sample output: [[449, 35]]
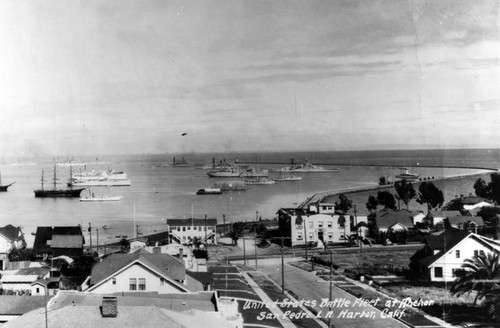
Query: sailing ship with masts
[[70, 192]]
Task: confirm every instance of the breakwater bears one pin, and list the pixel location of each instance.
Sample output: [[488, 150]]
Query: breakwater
[[441, 182]]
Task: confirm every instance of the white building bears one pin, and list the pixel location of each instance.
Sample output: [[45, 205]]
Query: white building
[[10, 238], [185, 231], [141, 272], [445, 252], [320, 224]]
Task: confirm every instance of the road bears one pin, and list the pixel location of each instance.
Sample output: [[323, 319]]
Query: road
[[347, 311]]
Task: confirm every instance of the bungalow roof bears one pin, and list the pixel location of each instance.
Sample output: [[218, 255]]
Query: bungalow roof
[[452, 238], [67, 241], [43, 234], [10, 232], [164, 264], [455, 220], [387, 218]]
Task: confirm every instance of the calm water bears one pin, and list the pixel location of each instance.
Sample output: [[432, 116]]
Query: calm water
[[169, 192]]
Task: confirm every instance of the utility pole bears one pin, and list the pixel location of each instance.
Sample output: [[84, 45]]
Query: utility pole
[[90, 232], [255, 237], [282, 264], [244, 252], [206, 241], [97, 232], [224, 223], [360, 240], [330, 281]]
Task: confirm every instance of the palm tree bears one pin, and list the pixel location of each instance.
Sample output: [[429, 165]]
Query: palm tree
[[482, 275]]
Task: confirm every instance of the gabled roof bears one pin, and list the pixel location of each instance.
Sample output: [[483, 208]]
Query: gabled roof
[[164, 264], [67, 241], [472, 200], [455, 220], [386, 218], [11, 233], [444, 214], [191, 222], [449, 239], [45, 233]]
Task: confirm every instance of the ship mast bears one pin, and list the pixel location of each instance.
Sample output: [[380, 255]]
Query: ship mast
[[42, 180], [55, 178]]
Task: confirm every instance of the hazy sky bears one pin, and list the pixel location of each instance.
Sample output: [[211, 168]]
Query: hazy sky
[[130, 76]]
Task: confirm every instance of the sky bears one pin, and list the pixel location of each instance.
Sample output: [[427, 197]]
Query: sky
[[132, 76]]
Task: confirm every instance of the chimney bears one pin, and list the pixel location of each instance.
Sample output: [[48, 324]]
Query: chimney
[[109, 308], [156, 250]]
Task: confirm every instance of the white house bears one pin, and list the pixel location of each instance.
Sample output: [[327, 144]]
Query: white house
[[444, 253], [10, 238], [141, 272], [20, 281], [304, 227]]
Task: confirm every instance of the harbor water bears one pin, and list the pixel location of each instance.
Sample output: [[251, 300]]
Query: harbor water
[[160, 192]]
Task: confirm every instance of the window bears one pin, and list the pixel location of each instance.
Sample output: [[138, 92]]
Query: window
[[298, 227], [438, 272], [330, 224], [330, 236], [183, 228], [478, 252], [189, 228], [113, 281], [142, 283], [299, 236], [320, 224], [457, 253], [37, 290], [133, 284], [310, 236]]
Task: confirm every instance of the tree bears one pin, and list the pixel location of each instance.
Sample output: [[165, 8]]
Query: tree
[[25, 254], [372, 204], [236, 231], [344, 204], [404, 191], [481, 274], [481, 188], [489, 190], [491, 220], [429, 194], [386, 199]]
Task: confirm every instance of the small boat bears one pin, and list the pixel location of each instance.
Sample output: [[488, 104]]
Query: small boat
[[288, 177], [42, 193], [4, 187], [209, 191], [260, 181], [100, 198], [407, 175]]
